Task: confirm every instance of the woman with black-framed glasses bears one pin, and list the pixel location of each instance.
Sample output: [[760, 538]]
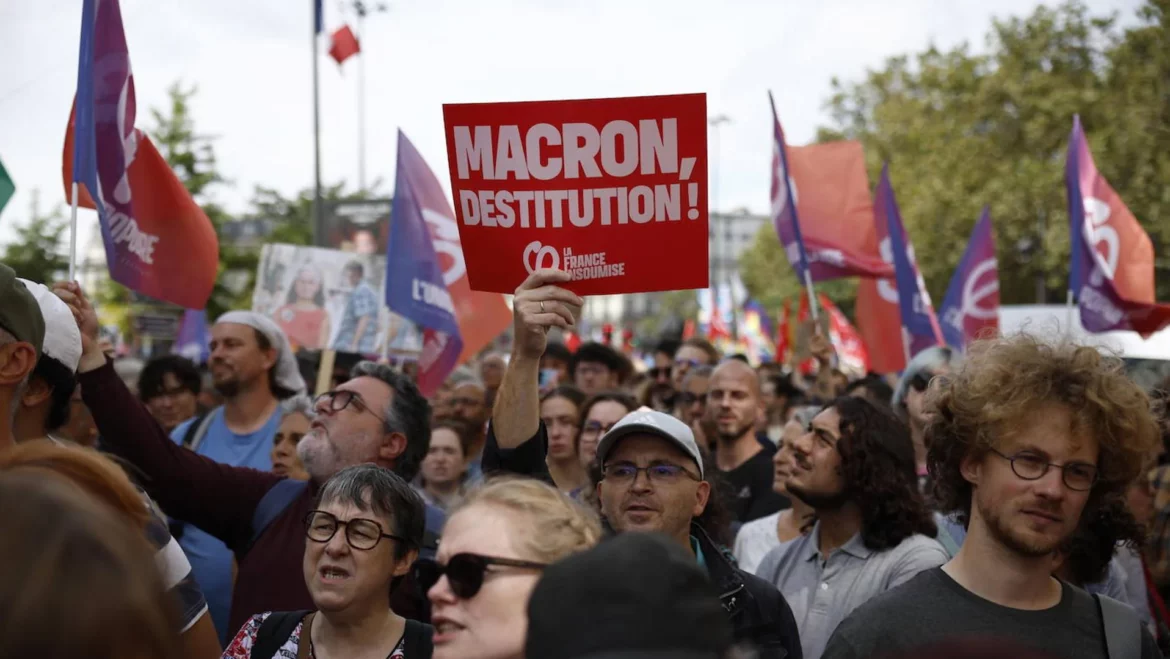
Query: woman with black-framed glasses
[[360, 541], [493, 550]]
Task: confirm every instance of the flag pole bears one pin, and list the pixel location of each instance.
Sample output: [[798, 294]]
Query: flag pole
[[317, 221], [1068, 313], [73, 232], [361, 109], [812, 296]]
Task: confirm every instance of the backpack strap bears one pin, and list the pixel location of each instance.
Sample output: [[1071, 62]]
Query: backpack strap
[[1123, 629], [274, 632], [418, 639], [273, 504], [198, 430]]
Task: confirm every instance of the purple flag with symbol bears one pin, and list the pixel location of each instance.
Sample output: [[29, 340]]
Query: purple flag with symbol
[[970, 309], [416, 283], [920, 329]]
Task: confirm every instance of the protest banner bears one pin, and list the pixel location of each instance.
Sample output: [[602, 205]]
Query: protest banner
[[359, 225], [329, 299], [612, 191]]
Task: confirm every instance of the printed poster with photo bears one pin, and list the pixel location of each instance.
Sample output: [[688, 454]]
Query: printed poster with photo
[[329, 299]]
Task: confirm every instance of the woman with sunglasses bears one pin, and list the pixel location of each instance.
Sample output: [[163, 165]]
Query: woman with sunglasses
[[362, 536], [910, 397], [491, 555]]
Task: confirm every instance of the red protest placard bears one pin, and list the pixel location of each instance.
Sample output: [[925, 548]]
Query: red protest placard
[[613, 191]]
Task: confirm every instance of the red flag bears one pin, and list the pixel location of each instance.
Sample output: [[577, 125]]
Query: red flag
[[783, 334], [343, 44], [688, 330], [850, 347], [183, 248], [836, 210], [572, 341]]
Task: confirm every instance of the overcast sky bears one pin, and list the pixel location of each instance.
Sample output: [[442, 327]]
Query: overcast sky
[[252, 63]]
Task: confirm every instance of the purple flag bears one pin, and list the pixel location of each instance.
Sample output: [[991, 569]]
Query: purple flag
[[920, 328], [784, 215], [193, 341], [970, 309], [416, 283]]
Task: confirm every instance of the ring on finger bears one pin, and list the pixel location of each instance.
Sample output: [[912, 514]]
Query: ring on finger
[[542, 306]]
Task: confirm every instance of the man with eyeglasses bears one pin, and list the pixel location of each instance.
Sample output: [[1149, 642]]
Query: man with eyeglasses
[[654, 479], [378, 416], [694, 352], [1028, 442]]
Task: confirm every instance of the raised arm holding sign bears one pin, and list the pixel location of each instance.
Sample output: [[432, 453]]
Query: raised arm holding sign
[[587, 187]]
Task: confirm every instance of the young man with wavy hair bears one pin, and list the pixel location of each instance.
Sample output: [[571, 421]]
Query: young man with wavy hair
[[1027, 442], [855, 468]]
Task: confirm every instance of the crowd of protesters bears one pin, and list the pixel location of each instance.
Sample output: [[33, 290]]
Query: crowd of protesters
[[561, 504]]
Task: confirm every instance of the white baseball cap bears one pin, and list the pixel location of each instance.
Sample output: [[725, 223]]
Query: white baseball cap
[[62, 338], [659, 424]]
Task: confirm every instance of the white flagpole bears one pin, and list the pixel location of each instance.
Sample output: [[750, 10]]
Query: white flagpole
[[73, 236], [812, 297]]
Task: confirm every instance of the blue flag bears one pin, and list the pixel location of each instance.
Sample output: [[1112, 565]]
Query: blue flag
[[416, 282], [920, 328], [970, 309]]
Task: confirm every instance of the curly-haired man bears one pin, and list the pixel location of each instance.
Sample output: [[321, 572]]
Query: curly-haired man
[[1027, 442], [855, 468]]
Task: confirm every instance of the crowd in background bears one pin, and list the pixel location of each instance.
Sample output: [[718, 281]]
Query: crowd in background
[[184, 510]]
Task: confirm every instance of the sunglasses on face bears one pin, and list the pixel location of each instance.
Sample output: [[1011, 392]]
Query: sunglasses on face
[[465, 572], [660, 372], [921, 381], [687, 362]]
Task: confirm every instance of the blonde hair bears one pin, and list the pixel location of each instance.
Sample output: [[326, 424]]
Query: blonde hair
[[555, 525]]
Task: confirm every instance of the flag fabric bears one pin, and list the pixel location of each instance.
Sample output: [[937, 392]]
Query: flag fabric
[[1112, 269], [426, 279], [829, 187], [158, 241], [970, 309], [7, 187], [343, 44], [878, 321], [193, 340], [852, 354], [784, 211], [784, 340], [920, 326]]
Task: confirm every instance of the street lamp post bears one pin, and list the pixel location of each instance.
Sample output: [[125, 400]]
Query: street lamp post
[[720, 227]]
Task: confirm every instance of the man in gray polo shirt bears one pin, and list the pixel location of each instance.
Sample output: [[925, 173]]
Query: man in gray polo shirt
[[855, 467]]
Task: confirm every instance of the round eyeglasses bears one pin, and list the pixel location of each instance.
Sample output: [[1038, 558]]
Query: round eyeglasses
[[1077, 476], [360, 533]]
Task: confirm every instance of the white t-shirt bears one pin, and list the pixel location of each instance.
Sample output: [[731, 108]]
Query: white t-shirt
[[754, 540]]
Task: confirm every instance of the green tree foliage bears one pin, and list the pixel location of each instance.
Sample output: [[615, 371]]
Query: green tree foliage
[[962, 129], [39, 252]]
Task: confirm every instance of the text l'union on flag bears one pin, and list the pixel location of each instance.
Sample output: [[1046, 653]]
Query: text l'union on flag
[[426, 277], [158, 241]]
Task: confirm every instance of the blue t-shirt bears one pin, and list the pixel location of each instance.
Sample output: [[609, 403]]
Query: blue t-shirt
[[211, 560]]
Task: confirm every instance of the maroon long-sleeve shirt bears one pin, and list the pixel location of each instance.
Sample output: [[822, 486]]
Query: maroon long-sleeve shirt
[[217, 498]]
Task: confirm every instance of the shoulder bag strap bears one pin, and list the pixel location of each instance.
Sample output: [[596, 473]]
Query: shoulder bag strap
[[1123, 629]]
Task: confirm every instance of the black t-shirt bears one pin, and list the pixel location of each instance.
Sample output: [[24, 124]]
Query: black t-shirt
[[749, 488], [933, 607]]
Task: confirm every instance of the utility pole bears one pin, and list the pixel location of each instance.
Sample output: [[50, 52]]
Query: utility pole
[[318, 223], [720, 227], [362, 9]]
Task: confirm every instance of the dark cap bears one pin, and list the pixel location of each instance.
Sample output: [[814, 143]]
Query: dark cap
[[20, 315], [634, 596]]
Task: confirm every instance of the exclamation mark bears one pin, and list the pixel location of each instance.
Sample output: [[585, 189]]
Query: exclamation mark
[[693, 201]]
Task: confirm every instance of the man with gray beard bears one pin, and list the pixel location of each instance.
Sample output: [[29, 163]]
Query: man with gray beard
[[378, 416]]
